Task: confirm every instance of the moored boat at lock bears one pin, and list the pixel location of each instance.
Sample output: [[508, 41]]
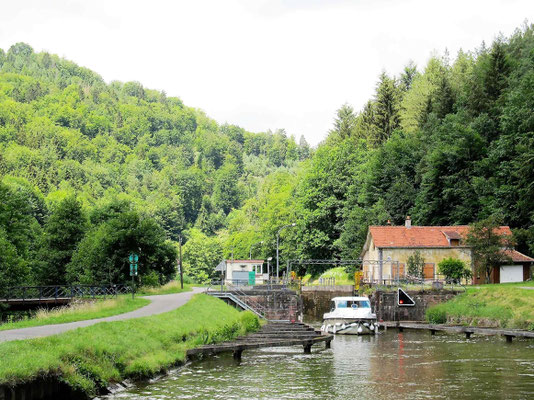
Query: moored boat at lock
[[350, 316]]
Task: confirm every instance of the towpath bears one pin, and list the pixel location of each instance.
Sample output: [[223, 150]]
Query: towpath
[[159, 304]]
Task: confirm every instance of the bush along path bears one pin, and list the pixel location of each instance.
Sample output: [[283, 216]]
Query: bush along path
[[86, 361], [158, 304]]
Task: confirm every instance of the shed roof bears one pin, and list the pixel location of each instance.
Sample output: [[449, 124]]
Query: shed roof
[[516, 256]]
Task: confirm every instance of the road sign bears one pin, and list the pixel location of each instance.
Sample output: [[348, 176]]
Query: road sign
[[133, 258], [403, 299]]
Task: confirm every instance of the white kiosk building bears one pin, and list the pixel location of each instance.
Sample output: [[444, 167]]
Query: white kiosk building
[[242, 272]]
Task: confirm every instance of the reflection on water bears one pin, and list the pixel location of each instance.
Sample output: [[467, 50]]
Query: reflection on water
[[409, 365]]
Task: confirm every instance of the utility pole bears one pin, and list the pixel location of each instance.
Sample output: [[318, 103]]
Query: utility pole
[[181, 267], [278, 245]]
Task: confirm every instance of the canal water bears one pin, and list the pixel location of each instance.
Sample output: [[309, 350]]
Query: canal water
[[392, 365]]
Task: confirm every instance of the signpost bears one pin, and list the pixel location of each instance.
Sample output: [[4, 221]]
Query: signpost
[[134, 258]]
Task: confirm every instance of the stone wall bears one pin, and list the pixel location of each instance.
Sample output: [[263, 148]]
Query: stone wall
[[316, 302], [316, 299], [385, 306], [280, 304]]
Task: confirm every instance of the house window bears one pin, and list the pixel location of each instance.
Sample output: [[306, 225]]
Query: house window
[[455, 242]]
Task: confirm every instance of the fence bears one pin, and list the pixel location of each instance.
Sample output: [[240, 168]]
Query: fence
[[33, 293]]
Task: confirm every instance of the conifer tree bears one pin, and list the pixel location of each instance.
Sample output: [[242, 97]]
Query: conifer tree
[[63, 231], [386, 108]]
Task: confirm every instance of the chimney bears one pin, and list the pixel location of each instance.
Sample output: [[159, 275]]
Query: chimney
[[389, 222], [408, 222]]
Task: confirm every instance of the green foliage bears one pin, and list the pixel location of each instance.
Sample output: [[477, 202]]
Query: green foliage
[[451, 143], [65, 227], [453, 269], [201, 254], [487, 245], [102, 255], [118, 149], [415, 263], [436, 315]]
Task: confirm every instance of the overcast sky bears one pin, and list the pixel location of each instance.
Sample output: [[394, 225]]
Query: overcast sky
[[258, 64]]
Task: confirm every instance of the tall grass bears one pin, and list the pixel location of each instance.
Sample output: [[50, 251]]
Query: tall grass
[[80, 311], [501, 305], [169, 288], [90, 358]]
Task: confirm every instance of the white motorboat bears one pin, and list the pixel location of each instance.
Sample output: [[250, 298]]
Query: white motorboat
[[350, 316]]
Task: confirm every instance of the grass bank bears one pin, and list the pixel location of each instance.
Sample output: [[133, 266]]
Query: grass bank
[[339, 273], [169, 288], [89, 359], [501, 305], [80, 312]]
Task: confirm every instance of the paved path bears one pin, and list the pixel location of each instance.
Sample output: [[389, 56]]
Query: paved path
[[159, 304]]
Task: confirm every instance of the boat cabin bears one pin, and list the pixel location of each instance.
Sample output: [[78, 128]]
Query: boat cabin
[[350, 302]]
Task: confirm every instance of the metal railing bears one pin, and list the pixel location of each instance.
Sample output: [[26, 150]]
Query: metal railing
[[237, 295], [33, 293]]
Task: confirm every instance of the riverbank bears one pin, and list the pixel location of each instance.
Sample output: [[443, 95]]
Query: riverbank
[[80, 311], [494, 306], [87, 360]]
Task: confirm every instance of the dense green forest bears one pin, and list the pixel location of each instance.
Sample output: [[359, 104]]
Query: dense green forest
[[90, 171], [449, 143]]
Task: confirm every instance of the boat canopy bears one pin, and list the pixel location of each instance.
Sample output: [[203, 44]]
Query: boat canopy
[[350, 302]]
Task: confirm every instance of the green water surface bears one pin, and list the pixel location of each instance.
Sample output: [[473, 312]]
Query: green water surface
[[392, 365]]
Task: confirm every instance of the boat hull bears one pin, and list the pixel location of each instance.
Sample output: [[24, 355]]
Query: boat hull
[[340, 326]]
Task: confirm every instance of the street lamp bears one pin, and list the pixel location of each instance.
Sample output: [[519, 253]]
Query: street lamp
[[268, 267], [251, 246], [277, 245]]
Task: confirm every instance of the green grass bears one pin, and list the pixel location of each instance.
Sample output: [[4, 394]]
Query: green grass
[[499, 305], [80, 312], [169, 288], [90, 358], [341, 277]]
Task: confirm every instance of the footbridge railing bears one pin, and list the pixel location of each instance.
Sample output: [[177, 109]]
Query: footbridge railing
[[43, 293]]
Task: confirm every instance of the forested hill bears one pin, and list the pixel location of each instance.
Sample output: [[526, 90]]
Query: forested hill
[[90, 171], [450, 142], [77, 155]]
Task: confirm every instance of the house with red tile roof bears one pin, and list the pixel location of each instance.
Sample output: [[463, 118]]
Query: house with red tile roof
[[392, 245]]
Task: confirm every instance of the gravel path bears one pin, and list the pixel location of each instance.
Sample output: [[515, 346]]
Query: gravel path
[[159, 304]]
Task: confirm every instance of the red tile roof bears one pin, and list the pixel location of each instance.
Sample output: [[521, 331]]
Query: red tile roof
[[452, 234], [517, 256], [420, 236]]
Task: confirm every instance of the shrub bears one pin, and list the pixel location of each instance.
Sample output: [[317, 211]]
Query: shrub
[[436, 315], [454, 269], [250, 321], [151, 279], [416, 263]]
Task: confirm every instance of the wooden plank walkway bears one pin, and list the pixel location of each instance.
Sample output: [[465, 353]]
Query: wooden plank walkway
[[273, 334], [509, 334]]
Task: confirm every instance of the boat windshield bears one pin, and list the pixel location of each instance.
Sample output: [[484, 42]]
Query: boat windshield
[[353, 304]]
